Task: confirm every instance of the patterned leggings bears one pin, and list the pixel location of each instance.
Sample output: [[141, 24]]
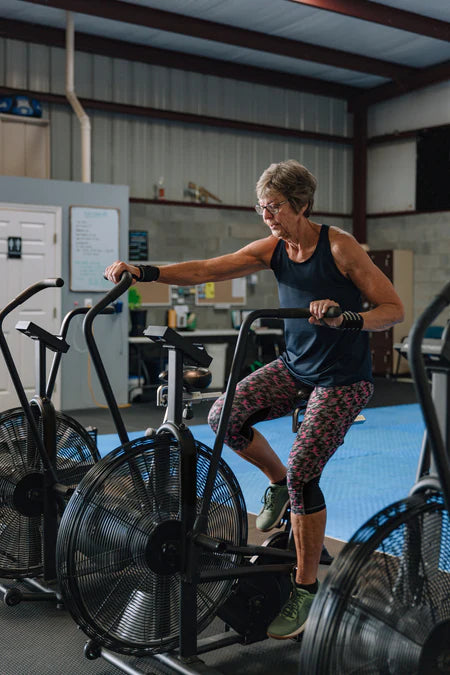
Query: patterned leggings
[[271, 392]]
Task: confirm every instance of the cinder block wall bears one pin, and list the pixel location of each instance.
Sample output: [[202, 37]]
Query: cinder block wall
[[178, 233], [428, 235]]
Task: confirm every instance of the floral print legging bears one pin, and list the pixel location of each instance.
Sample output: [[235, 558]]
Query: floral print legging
[[271, 392]]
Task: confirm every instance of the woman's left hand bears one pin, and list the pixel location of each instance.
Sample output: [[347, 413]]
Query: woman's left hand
[[318, 309]]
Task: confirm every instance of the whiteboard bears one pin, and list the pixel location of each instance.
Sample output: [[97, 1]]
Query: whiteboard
[[94, 244]]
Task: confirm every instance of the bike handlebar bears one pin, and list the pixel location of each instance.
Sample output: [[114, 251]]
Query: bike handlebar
[[124, 284], [28, 293], [236, 368], [75, 312], [126, 279], [289, 313], [16, 302], [421, 382], [299, 313], [63, 333]]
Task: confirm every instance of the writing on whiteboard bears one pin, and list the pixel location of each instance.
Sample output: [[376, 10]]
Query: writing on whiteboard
[[94, 244]]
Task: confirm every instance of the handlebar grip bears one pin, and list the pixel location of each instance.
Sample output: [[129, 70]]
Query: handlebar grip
[[304, 313], [50, 283], [333, 312], [133, 276], [124, 284], [29, 292]]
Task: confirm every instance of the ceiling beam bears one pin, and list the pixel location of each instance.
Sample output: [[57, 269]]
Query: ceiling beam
[[55, 37], [424, 78], [114, 107], [126, 12], [385, 15]]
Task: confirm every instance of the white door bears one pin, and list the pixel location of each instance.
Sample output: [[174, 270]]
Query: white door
[[39, 229]]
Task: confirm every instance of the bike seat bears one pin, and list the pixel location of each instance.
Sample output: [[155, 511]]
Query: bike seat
[[194, 378], [303, 394]]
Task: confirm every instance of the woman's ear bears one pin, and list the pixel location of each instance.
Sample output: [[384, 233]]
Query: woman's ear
[[304, 210]]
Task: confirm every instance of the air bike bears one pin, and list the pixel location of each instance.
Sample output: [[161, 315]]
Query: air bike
[[153, 543], [44, 454], [384, 607]]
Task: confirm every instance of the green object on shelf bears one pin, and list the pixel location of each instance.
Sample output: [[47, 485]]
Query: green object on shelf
[[191, 321], [134, 299]]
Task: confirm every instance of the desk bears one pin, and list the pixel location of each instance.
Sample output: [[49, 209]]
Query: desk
[[207, 332], [229, 335], [211, 332], [436, 358], [431, 349]]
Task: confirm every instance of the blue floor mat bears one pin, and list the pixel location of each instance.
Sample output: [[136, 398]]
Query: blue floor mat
[[108, 442], [375, 467]]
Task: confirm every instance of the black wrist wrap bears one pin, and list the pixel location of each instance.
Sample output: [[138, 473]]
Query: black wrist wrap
[[148, 273], [351, 321]]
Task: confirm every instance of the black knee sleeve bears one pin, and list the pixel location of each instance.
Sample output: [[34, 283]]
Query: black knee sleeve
[[259, 416], [313, 498]]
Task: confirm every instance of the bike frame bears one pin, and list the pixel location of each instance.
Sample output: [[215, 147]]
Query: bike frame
[[194, 527]]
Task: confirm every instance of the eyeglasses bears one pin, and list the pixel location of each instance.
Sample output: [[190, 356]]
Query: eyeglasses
[[273, 209]]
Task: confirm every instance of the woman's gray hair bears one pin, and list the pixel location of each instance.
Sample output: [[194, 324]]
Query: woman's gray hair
[[293, 180]]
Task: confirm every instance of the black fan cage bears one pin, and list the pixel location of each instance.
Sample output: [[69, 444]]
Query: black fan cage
[[384, 607], [107, 546], [21, 470]]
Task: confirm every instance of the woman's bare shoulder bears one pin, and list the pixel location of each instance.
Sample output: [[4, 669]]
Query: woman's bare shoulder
[[262, 248], [342, 241]]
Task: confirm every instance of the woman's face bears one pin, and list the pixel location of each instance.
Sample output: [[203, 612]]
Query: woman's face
[[281, 218]]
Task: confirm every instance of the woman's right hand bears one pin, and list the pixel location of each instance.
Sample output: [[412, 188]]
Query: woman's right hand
[[114, 271], [319, 308]]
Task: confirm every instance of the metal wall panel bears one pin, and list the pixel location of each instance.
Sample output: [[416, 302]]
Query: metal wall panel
[[38, 68], [61, 122], [226, 162], [57, 71], [101, 143], [427, 107], [136, 151], [122, 81], [391, 177], [15, 64]]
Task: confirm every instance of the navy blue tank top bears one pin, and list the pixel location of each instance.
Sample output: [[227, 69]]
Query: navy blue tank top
[[317, 355]]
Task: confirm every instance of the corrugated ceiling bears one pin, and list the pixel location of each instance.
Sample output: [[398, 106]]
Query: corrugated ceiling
[[301, 39]]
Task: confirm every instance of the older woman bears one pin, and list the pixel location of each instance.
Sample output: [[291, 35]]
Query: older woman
[[316, 266]]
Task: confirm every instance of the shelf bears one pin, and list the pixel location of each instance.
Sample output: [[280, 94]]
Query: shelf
[[229, 207]]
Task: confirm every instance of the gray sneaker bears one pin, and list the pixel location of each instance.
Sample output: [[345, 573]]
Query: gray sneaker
[[292, 619], [275, 503]]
